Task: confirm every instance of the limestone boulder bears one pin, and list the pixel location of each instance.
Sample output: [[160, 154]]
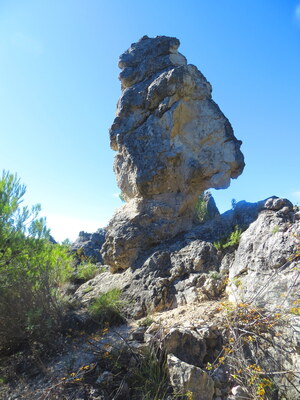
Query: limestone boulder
[[185, 378], [265, 269], [185, 344], [172, 142]]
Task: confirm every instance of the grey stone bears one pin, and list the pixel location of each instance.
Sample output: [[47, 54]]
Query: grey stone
[[212, 209], [175, 272], [139, 334], [185, 344], [185, 377], [105, 378], [89, 245], [239, 393], [276, 203], [264, 263], [172, 143]]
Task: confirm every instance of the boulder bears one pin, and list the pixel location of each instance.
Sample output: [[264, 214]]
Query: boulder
[[172, 142], [188, 378], [185, 344]]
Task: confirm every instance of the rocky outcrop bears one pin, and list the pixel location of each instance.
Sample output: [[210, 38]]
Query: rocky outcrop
[[264, 269], [88, 246], [180, 271], [213, 351], [172, 143], [188, 378]]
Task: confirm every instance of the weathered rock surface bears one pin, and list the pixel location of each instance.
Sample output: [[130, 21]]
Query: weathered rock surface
[[178, 271], [172, 143], [174, 277], [264, 263], [187, 345], [88, 245], [188, 378], [212, 209], [263, 271]]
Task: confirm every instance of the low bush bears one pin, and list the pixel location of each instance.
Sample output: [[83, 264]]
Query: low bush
[[201, 208], [107, 308], [31, 270], [146, 322], [86, 271], [232, 240], [149, 378], [255, 352], [215, 275]]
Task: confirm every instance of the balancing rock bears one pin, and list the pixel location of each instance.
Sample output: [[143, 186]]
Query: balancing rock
[[172, 142]]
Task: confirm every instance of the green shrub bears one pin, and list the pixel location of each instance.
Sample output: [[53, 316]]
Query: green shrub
[[215, 275], [88, 289], [31, 270], [232, 240], [107, 308], [149, 378], [146, 322], [201, 209], [121, 197], [86, 271]]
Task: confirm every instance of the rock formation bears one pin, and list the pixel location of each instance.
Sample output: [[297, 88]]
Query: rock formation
[[260, 271], [88, 246], [180, 289], [172, 143]]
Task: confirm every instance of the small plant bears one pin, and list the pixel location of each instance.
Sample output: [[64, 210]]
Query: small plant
[[215, 275], [201, 208], [121, 197], [3, 380], [88, 289], [232, 240], [275, 229], [107, 308], [149, 378], [236, 282], [86, 271], [251, 331], [295, 309], [146, 322]]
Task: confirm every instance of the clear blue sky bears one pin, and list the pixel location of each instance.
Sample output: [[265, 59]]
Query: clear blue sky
[[59, 89]]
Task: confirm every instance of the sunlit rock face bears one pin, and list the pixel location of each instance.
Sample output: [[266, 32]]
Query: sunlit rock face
[[172, 142]]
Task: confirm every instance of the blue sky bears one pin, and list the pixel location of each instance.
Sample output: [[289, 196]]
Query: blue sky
[[59, 89]]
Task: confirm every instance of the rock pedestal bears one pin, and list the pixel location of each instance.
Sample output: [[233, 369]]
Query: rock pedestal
[[172, 142]]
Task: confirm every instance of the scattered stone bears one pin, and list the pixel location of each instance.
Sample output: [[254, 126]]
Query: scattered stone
[[275, 203], [105, 378], [139, 334], [239, 393]]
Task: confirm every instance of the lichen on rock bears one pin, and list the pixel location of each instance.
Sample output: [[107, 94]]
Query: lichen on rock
[[172, 142]]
